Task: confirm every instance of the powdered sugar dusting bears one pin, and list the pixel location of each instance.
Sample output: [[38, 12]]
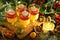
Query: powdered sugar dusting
[[21, 6]]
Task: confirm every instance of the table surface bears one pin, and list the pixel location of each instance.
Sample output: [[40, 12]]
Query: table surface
[[38, 37]]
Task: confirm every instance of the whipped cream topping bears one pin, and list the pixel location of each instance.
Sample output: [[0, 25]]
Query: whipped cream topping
[[33, 8], [11, 12], [21, 6], [24, 13]]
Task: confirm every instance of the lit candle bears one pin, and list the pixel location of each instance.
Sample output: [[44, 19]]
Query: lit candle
[[34, 13], [11, 16], [20, 8], [24, 18]]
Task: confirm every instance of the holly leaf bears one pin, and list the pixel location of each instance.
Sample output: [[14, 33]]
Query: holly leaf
[[0, 22], [1, 3]]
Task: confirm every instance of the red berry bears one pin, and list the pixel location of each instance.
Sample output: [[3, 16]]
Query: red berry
[[55, 5], [57, 16], [58, 3], [43, 14]]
